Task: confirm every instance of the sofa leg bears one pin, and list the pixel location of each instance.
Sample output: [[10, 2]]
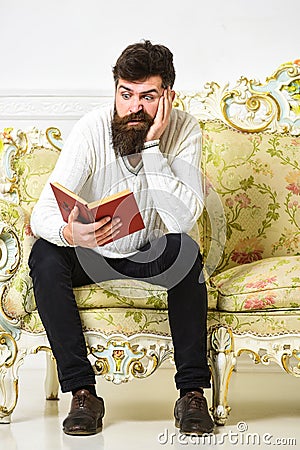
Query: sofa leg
[[51, 381], [10, 360], [222, 361]]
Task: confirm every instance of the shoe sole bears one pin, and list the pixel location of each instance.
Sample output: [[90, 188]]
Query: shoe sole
[[84, 432], [199, 433]]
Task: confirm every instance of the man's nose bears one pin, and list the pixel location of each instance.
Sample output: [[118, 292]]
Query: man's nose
[[136, 105]]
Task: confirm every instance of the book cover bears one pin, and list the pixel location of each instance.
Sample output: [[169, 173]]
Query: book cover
[[122, 205]]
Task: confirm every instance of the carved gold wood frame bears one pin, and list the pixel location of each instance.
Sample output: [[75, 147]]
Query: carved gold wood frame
[[120, 358], [251, 106], [224, 348]]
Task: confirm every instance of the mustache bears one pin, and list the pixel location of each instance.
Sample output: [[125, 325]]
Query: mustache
[[140, 116]]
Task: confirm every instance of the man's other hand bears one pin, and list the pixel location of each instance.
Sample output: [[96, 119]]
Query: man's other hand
[[162, 117]]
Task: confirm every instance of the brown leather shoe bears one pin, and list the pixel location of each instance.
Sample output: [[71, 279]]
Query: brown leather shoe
[[191, 414], [86, 413]]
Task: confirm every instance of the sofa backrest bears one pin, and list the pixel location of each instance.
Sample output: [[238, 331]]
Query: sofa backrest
[[251, 168], [256, 177], [28, 159]]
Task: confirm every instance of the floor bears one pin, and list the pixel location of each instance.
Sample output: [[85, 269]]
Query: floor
[[265, 414]]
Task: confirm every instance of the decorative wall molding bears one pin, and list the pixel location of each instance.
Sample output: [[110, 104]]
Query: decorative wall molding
[[23, 106]]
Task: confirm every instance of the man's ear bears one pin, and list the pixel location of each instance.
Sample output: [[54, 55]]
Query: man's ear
[[173, 95]]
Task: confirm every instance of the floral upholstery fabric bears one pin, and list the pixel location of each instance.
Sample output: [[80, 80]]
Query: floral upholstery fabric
[[252, 186], [112, 320], [257, 322], [131, 321], [19, 299], [33, 170], [268, 283], [257, 181]]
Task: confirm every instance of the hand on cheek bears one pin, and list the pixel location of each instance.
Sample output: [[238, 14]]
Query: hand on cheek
[[162, 116]]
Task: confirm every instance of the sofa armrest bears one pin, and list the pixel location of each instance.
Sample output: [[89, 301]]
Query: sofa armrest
[[16, 241]]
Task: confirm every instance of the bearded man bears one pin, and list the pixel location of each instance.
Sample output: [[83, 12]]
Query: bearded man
[[139, 143]]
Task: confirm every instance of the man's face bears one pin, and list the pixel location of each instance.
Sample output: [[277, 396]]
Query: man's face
[[132, 97], [136, 104]]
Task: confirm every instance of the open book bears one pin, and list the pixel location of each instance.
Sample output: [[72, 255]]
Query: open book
[[122, 205]]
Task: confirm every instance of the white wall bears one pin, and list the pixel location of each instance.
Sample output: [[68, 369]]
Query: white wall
[[72, 44]]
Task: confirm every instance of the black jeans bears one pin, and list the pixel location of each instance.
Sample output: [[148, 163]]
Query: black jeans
[[172, 261]]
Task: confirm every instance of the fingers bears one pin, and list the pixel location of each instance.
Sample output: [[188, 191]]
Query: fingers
[[73, 214], [92, 234], [68, 229], [162, 116], [101, 223], [108, 232], [94, 226], [160, 110], [100, 234], [168, 100], [164, 107]]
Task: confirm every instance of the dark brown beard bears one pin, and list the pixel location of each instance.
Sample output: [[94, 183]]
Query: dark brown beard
[[129, 139]]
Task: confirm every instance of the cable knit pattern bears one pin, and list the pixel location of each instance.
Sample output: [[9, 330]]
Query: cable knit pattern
[[167, 185]]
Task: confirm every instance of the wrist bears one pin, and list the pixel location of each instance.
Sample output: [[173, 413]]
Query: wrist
[[151, 143], [152, 137], [65, 236]]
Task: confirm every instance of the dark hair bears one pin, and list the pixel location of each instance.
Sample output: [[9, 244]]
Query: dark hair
[[142, 60]]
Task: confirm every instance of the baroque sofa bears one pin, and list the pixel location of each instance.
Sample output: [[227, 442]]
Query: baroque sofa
[[248, 233]]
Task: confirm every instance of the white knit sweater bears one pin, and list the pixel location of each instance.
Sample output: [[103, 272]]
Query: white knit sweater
[[166, 182]]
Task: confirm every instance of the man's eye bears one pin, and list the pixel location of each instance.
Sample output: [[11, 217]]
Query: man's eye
[[149, 98], [126, 96]]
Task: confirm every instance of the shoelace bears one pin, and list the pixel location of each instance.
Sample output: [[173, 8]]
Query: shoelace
[[196, 402], [80, 398]]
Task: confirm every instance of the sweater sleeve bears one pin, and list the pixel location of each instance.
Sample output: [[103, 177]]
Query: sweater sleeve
[[72, 169], [175, 182]]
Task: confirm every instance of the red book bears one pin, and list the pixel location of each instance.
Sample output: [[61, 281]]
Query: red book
[[122, 205]]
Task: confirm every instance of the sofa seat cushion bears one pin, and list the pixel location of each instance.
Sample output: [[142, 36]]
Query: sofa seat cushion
[[111, 320], [121, 294], [270, 283], [257, 322], [19, 299]]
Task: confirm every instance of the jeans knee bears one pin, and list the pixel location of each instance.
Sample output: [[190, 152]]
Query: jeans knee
[[182, 249], [183, 241]]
